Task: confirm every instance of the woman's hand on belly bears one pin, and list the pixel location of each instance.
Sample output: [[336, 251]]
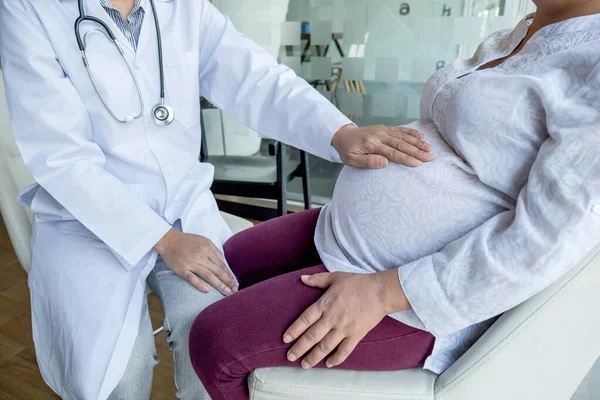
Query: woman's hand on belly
[[375, 146], [351, 307]]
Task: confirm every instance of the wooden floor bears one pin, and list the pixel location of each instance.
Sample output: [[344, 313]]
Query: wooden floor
[[19, 375]]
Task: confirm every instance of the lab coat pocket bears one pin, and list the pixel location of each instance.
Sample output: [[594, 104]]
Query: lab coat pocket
[[183, 86]]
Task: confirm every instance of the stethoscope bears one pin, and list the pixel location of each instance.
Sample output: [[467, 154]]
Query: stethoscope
[[162, 113]]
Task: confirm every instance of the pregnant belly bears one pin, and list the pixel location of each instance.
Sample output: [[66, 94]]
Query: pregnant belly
[[382, 219]]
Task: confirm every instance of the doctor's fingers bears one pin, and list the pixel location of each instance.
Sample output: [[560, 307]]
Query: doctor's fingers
[[196, 282], [408, 148], [216, 251], [371, 161], [393, 154], [212, 279], [219, 259], [217, 276], [222, 272], [410, 136]]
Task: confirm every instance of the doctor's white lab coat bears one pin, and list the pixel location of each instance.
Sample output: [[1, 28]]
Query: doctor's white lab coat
[[109, 191]]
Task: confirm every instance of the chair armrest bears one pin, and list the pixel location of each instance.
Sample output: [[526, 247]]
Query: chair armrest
[[541, 349], [334, 384], [236, 224]]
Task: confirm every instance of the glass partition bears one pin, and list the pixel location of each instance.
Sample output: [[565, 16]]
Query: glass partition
[[371, 58]]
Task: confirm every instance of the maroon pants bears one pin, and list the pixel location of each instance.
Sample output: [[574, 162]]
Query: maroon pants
[[243, 332]]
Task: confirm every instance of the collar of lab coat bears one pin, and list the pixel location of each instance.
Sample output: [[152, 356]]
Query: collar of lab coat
[[93, 8]]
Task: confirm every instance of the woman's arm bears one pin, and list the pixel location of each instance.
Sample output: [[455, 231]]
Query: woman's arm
[[495, 267], [520, 252]]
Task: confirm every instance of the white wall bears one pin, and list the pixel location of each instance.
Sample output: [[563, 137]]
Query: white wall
[[261, 21]]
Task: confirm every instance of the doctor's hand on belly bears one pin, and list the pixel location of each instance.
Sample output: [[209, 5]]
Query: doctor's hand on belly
[[375, 146], [351, 307], [193, 257]]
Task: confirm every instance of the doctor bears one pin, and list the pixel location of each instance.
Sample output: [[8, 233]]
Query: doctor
[[107, 119]]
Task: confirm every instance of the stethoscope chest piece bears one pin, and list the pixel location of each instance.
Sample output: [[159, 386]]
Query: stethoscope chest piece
[[163, 114]]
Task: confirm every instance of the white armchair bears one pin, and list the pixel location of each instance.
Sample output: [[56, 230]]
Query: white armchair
[[540, 350]]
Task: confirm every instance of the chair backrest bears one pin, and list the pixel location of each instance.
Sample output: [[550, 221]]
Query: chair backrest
[[541, 349], [14, 176]]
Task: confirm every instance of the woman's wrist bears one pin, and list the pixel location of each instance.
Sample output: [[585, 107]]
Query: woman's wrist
[[390, 290]]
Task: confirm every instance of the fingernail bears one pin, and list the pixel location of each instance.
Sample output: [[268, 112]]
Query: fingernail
[[291, 357], [418, 162], [381, 163], [305, 365], [328, 365], [305, 277], [227, 291], [287, 339]]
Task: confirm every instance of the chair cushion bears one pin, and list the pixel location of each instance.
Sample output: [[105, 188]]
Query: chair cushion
[[255, 169], [236, 224], [319, 384]]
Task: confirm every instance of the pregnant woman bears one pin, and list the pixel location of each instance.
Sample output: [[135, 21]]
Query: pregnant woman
[[407, 267]]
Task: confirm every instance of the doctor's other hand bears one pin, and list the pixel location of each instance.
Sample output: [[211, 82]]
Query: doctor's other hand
[[375, 146], [193, 257]]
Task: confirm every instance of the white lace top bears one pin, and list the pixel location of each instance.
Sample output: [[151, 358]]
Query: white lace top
[[511, 201]]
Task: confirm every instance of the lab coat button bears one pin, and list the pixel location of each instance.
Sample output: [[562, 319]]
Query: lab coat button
[[596, 209], [168, 170]]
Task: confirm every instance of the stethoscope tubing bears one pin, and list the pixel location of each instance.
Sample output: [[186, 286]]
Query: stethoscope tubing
[[161, 107]]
